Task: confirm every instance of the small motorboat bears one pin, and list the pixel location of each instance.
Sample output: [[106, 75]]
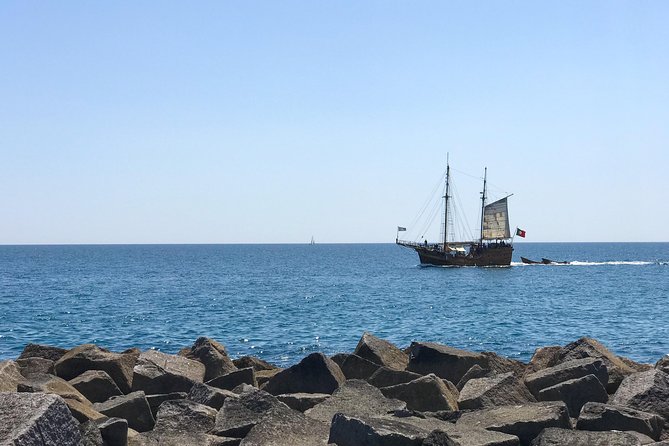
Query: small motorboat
[[529, 262], [549, 262]]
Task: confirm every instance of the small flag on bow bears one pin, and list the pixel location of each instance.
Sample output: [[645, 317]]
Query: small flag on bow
[[400, 229], [520, 233]]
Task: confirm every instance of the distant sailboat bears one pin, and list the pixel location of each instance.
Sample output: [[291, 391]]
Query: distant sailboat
[[312, 242]]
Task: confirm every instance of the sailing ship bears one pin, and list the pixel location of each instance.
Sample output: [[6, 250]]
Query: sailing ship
[[493, 248]]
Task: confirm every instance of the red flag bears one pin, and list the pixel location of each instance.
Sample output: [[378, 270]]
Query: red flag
[[520, 233]]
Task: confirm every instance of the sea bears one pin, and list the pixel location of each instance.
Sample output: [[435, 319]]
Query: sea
[[281, 302]]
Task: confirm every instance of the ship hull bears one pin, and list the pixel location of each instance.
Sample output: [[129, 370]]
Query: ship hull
[[489, 256]]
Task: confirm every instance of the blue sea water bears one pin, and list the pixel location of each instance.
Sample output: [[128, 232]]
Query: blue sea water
[[281, 302]]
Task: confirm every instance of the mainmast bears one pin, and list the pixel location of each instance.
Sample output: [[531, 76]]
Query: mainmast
[[483, 197], [448, 172]]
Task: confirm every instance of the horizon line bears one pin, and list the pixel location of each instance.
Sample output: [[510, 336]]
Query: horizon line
[[281, 243]]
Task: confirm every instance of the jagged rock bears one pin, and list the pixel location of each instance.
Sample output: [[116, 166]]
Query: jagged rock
[[96, 385], [566, 371], [51, 384], [132, 407], [525, 421], [35, 419], [210, 396], [445, 362], [354, 398], [355, 367], [480, 437], [239, 415], [114, 431], [231, 380], [476, 371], [185, 416], [10, 376], [263, 376], [381, 352], [558, 437], [385, 377], [604, 417], [427, 393], [91, 357], [302, 401], [316, 373], [499, 364], [214, 357], [156, 400], [575, 393], [256, 364], [90, 434], [82, 412], [590, 348], [497, 390], [663, 364], [35, 365], [158, 372], [408, 431], [42, 351], [544, 357], [647, 391], [287, 428]]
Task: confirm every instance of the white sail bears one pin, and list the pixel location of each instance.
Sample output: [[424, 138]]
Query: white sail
[[496, 220]]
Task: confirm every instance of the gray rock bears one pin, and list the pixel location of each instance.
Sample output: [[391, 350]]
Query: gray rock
[[478, 437], [427, 393], [385, 377], [544, 357], [83, 412], [185, 416], [90, 434], [42, 351], [158, 372], [354, 398], [604, 417], [91, 357], [263, 376], [10, 376], [35, 365], [575, 393], [566, 371], [525, 421], [302, 401], [316, 373], [474, 372], [381, 352], [355, 367], [499, 364], [156, 400], [287, 428], [214, 357], [210, 396], [96, 385], [181, 439], [559, 437], [35, 419], [231, 380], [663, 364], [498, 390], [51, 384], [647, 391], [239, 415], [256, 364], [114, 431], [445, 362], [339, 358], [132, 407]]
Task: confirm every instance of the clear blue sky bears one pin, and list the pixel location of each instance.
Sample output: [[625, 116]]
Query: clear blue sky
[[268, 121]]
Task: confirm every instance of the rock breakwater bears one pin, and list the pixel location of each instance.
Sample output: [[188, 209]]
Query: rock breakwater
[[378, 395]]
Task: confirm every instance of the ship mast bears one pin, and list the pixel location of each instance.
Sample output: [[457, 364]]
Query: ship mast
[[448, 172], [483, 197]]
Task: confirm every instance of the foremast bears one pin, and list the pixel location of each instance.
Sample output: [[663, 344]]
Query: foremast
[[483, 198], [448, 173]]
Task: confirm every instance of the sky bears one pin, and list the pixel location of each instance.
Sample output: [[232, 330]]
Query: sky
[[272, 122]]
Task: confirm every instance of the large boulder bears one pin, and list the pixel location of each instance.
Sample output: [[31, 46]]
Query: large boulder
[[355, 367], [231, 380], [114, 431], [10, 376], [91, 357], [239, 415], [355, 398], [185, 416], [90, 434], [51, 384], [96, 385], [445, 362], [500, 364], [316, 373], [544, 357], [381, 352], [525, 421], [157, 399], [82, 411], [475, 371], [35, 419], [132, 407], [605, 417], [575, 393], [498, 390], [287, 428], [255, 363], [214, 357], [566, 371], [42, 351], [385, 377], [558, 437], [647, 391], [427, 393], [158, 372], [210, 396], [33, 365]]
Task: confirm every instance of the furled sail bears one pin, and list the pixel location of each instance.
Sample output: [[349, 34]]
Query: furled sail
[[496, 220]]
